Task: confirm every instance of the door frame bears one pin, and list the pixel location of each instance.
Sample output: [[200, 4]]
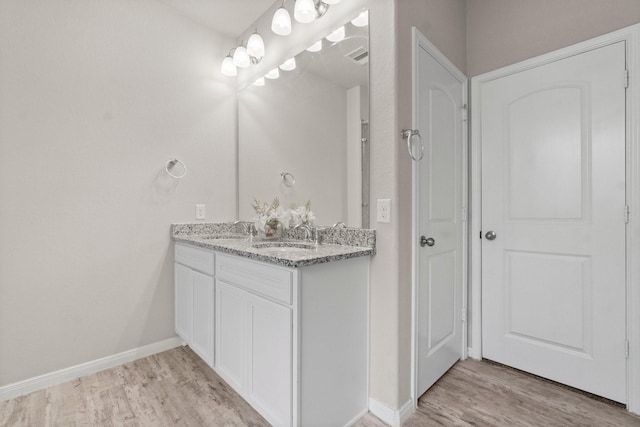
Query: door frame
[[419, 41], [630, 35]]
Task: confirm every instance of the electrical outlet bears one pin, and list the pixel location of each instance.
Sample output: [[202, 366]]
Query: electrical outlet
[[201, 211], [384, 210]]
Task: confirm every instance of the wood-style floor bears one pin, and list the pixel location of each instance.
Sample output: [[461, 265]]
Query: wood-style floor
[[481, 393], [173, 388], [176, 388]]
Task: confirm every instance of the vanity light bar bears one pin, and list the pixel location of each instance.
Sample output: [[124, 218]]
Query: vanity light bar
[[281, 22], [289, 64], [337, 35], [243, 56], [316, 47], [228, 68], [361, 20], [304, 11], [273, 74]]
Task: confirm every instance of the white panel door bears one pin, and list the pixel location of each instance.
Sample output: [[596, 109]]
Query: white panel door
[[439, 186], [231, 342], [184, 302], [203, 308], [553, 192], [269, 366]]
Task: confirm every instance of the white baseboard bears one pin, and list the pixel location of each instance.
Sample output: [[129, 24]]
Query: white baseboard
[[471, 352], [393, 417], [357, 418], [43, 381]]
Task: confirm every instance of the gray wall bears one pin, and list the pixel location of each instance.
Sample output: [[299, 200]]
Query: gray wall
[[95, 97], [502, 32]]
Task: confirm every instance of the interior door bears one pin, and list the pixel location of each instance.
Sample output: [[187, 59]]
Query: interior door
[[439, 211], [553, 221]]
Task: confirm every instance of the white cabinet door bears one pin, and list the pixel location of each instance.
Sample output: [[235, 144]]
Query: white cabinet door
[[184, 302], [231, 342], [269, 366], [203, 306]]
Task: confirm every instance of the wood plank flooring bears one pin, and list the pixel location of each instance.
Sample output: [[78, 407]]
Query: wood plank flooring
[[173, 388], [176, 388], [481, 393]]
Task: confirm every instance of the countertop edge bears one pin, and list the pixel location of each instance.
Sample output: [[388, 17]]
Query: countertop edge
[[344, 252]]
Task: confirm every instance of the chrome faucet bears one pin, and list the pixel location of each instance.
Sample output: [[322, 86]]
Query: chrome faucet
[[308, 232], [248, 227]]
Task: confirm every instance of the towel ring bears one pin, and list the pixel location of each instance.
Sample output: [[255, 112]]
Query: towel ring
[[171, 163], [288, 179], [408, 134]]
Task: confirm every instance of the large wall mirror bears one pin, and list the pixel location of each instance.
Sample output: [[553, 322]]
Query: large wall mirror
[[304, 135]]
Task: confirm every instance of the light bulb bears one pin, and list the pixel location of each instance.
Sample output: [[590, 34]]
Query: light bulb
[[331, 1], [273, 74], [281, 23], [255, 46], [316, 47], [241, 57], [337, 35], [305, 11], [289, 64], [228, 68], [259, 82], [361, 20]]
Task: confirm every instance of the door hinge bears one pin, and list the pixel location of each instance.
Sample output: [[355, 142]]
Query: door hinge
[[463, 214], [480, 234], [465, 112], [464, 315], [626, 214], [626, 78], [626, 349]]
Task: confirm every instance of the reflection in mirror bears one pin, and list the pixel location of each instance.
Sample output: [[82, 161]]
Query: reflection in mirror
[[312, 122]]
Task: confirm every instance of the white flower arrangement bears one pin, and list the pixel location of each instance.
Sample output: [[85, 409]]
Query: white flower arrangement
[[302, 215], [273, 218]]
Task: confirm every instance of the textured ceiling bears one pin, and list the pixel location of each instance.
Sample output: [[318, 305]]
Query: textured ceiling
[[228, 17]]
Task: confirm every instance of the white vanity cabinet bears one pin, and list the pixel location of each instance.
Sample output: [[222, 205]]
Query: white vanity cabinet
[[254, 333], [194, 299], [293, 342]]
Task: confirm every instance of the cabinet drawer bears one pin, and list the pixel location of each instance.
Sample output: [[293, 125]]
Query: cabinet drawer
[[196, 258], [266, 280]]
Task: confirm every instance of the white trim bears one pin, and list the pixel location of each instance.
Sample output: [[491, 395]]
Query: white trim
[[470, 352], [43, 381], [630, 35], [357, 418], [390, 416], [420, 41]]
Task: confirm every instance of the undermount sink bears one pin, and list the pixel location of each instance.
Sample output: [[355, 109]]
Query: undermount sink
[[286, 247]]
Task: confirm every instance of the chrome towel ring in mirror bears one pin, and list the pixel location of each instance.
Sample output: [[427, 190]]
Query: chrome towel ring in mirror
[[288, 179], [408, 134], [171, 163]]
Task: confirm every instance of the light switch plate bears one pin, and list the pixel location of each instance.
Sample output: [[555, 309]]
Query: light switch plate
[[384, 210], [201, 211]]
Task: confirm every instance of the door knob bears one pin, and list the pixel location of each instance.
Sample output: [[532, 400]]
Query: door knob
[[427, 241], [491, 235]]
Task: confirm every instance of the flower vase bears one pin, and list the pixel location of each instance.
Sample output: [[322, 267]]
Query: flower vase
[[271, 233]]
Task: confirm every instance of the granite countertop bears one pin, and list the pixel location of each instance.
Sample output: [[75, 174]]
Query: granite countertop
[[336, 244]]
